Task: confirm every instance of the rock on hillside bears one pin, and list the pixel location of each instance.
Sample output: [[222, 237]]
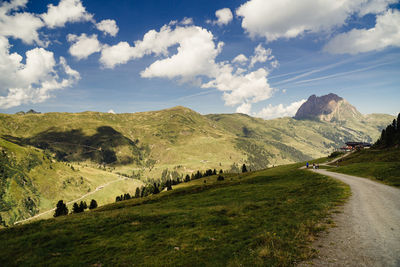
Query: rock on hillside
[[328, 108]]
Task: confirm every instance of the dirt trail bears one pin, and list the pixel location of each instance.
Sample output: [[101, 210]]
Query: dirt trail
[[368, 229], [100, 187]]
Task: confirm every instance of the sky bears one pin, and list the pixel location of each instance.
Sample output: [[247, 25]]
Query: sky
[[258, 57]]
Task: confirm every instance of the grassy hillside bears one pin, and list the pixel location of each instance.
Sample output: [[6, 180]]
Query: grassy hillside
[[262, 218], [286, 140], [65, 155], [381, 165], [32, 181]]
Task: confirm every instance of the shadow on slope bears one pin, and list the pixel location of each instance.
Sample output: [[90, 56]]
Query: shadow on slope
[[74, 145]]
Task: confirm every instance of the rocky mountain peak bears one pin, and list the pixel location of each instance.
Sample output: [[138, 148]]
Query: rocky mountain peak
[[328, 107]]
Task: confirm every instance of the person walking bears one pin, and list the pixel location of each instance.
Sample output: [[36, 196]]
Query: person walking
[[307, 165]]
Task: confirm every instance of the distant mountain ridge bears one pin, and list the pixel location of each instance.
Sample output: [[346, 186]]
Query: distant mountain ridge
[[327, 108], [159, 145]]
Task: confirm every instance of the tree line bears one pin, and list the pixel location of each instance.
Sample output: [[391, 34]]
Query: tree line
[[62, 209], [390, 136], [152, 188]]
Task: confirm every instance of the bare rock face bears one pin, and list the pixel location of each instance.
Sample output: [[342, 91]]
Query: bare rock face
[[329, 107]]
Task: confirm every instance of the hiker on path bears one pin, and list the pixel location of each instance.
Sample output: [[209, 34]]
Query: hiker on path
[[307, 165]]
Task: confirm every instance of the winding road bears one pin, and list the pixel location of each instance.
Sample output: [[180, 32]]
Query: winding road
[[75, 200], [368, 229]]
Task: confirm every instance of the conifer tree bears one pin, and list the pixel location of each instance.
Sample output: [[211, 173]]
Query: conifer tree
[[82, 206], [76, 208], [93, 204], [156, 189], [187, 178], [169, 185], [137, 192], [61, 209], [244, 168]]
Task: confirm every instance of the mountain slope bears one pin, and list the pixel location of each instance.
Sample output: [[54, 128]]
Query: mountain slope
[[158, 145]]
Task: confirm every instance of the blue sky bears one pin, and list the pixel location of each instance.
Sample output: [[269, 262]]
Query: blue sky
[[77, 55]]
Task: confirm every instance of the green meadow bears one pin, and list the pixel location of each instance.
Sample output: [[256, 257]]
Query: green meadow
[[264, 218]]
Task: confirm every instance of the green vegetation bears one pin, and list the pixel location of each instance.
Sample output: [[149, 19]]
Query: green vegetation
[[265, 218], [382, 162], [56, 156], [390, 136], [381, 165]]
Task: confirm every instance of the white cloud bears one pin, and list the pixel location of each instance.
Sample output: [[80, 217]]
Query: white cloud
[[33, 81], [244, 108], [196, 54], [250, 88], [83, 45], [117, 54], [20, 25], [111, 111], [241, 59], [194, 61], [385, 33], [108, 26], [187, 21], [65, 11], [275, 19], [271, 112], [224, 16], [261, 55]]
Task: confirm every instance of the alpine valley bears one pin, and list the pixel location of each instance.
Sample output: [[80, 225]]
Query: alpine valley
[[70, 156]]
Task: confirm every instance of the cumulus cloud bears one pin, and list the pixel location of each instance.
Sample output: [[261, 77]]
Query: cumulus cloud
[[271, 112], [241, 59], [195, 60], [20, 25], [275, 19], [224, 17], [111, 111], [261, 55], [65, 11], [249, 87], [244, 108], [108, 26], [385, 33], [195, 56], [187, 21], [83, 45], [33, 81]]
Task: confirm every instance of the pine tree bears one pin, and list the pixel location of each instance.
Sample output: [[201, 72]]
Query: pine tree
[[244, 168], [76, 208], [187, 178], [214, 172], [82, 206], [221, 171], [169, 185], [137, 192], [156, 189], [93, 204], [61, 209]]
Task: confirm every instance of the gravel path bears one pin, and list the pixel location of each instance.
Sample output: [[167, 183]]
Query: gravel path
[[368, 229], [100, 187]]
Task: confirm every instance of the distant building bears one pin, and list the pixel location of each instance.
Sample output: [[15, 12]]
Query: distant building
[[355, 145]]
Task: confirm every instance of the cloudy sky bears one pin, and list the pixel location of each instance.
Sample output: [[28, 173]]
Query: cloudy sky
[[260, 57]]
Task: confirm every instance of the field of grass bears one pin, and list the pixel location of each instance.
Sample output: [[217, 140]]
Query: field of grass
[[378, 165], [265, 218], [146, 145]]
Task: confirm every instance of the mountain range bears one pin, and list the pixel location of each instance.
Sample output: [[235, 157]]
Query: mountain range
[[52, 156]]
